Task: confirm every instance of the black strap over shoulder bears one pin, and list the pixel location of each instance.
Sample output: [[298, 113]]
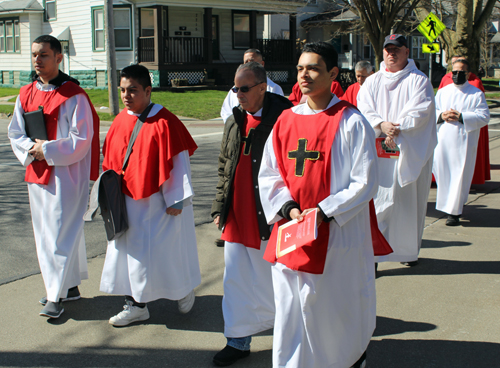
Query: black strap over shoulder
[[135, 133]]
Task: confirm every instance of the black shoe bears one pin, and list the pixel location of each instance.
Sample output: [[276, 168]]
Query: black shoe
[[361, 363], [229, 355], [52, 310], [453, 220], [410, 264], [73, 294], [219, 242]]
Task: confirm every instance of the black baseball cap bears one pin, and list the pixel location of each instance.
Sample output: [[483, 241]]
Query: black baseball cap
[[396, 40]]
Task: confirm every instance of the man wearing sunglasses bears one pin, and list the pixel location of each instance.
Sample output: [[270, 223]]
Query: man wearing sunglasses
[[248, 303], [462, 111], [231, 100]]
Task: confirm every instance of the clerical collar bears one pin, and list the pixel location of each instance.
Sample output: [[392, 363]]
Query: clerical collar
[[256, 114]]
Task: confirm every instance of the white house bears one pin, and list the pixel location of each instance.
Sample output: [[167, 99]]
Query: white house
[[173, 38]]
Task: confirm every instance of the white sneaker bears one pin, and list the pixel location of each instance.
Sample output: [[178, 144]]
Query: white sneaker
[[129, 314], [186, 303]]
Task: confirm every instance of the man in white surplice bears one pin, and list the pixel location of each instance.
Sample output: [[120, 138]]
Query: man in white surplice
[[462, 111], [157, 256], [57, 171], [398, 101], [325, 294]]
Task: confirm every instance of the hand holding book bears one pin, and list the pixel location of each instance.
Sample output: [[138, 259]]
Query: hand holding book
[[302, 229]]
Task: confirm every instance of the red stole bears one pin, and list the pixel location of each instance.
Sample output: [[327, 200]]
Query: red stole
[[351, 94], [482, 168], [241, 224], [162, 137], [38, 172], [302, 145]]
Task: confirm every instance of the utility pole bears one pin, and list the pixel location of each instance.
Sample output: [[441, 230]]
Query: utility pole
[[109, 34]]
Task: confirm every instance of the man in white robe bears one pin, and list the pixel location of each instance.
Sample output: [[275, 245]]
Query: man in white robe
[[157, 256], [231, 99], [248, 303], [398, 101], [58, 203], [462, 111], [326, 318]]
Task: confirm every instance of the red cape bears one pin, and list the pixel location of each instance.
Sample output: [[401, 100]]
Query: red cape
[[161, 138], [31, 98], [296, 94], [482, 168], [351, 94]]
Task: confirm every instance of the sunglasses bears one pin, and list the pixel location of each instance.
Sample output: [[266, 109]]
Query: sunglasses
[[455, 72], [244, 89]]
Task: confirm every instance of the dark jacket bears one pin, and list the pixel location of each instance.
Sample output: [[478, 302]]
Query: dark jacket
[[230, 153]]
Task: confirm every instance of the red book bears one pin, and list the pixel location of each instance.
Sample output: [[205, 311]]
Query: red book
[[384, 151], [293, 235]]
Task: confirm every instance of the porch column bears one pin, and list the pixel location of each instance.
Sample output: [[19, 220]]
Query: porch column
[[293, 36], [253, 29], [208, 33], [159, 53]]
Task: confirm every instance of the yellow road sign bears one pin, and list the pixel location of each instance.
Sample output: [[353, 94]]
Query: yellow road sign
[[430, 48], [431, 27]]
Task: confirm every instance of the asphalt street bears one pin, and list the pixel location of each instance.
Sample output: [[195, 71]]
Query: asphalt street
[[17, 245]]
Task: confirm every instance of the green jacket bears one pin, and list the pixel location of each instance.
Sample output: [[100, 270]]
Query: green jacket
[[230, 152]]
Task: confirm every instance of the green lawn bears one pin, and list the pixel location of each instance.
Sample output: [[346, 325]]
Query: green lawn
[[491, 84], [201, 105], [6, 91], [6, 109]]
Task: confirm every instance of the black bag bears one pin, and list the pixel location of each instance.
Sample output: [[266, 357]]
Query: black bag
[[107, 192]]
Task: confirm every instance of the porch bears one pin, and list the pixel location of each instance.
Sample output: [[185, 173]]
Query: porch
[[174, 48]]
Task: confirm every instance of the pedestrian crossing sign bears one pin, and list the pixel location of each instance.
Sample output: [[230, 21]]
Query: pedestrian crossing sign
[[430, 48], [431, 27]]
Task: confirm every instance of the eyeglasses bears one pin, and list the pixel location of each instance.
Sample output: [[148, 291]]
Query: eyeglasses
[[244, 89]]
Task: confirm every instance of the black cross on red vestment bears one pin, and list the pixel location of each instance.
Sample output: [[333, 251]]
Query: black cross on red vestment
[[300, 155], [247, 141]]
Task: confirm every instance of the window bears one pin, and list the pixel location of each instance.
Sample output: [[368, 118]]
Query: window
[[416, 52], [10, 36], [50, 9], [121, 17], [98, 20], [123, 24], [367, 48], [2, 38], [241, 31], [147, 22]]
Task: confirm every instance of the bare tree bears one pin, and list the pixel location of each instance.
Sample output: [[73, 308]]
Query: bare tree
[[380, 18]]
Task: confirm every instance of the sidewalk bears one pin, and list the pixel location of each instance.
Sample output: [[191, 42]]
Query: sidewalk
[[444, 313]]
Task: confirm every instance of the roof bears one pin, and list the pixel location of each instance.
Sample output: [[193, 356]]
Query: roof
[[342, 15], [496, 38], [12, 6]]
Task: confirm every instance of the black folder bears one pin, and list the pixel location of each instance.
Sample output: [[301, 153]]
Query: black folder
[[34, 124]]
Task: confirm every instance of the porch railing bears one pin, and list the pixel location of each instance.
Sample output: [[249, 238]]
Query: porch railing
[[146, 49], [190, 50], [276, 51]]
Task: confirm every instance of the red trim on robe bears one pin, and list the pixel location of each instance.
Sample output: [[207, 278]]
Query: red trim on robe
[[162, 137], [31, 98], [296, 94], [351, 94], [482, 168], [242, 225]]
